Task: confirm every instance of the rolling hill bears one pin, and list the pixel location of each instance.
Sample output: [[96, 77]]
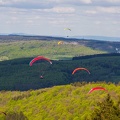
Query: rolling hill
[[65, 102], [11, 49], [17, 51], [108, 46], [59, 95]]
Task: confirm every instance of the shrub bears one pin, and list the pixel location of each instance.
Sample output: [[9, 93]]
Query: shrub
[[15, 116]]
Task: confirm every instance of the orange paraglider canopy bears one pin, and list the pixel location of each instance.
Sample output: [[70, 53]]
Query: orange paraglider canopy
[[39, 58], [97, 88], [76, 69]]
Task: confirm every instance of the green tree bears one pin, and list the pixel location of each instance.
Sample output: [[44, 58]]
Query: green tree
[[106, 110]]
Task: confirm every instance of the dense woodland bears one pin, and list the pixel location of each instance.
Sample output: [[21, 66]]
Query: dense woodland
[[18, 75], [59, 95]]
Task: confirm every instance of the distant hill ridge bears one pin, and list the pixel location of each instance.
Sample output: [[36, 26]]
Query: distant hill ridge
[[109, 46], [96, 55]]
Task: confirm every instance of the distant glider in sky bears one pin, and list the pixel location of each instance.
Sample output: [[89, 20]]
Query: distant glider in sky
[[67, 29]]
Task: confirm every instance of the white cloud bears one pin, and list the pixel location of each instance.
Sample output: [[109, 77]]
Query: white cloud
[[4, 2], [71, 1], [44, 4], [1, 2], [113, 1], [14, 18], [59, 10], [90, 11], [27, 4], [30, 21], [86, 1], [109, 9], [116, 22], [62, 10], [98, 22]]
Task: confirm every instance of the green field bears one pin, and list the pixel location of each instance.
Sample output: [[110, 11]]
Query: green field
[[51, 49]]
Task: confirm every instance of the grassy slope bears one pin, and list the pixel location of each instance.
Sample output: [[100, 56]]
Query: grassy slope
[[51, 49], [64, 102]]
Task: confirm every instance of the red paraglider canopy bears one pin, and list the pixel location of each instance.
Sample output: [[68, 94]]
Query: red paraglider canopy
[[97, 88], [39, 58], [80, 69]]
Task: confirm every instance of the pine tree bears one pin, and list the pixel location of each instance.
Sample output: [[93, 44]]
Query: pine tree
[[106, 110]]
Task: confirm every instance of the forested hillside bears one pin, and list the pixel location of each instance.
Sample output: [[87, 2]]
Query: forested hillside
[[65, 102], [18, 75], [59, 94]]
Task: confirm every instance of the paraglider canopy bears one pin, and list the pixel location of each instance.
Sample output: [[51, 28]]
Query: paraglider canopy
[[76, 69], [67, 29], [60, 42], [39, 58], [97, 88]]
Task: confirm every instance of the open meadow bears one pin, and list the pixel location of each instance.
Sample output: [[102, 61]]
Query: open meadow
[[50, 49]]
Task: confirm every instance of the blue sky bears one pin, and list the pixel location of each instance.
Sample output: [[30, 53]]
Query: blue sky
[[50, 17]]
